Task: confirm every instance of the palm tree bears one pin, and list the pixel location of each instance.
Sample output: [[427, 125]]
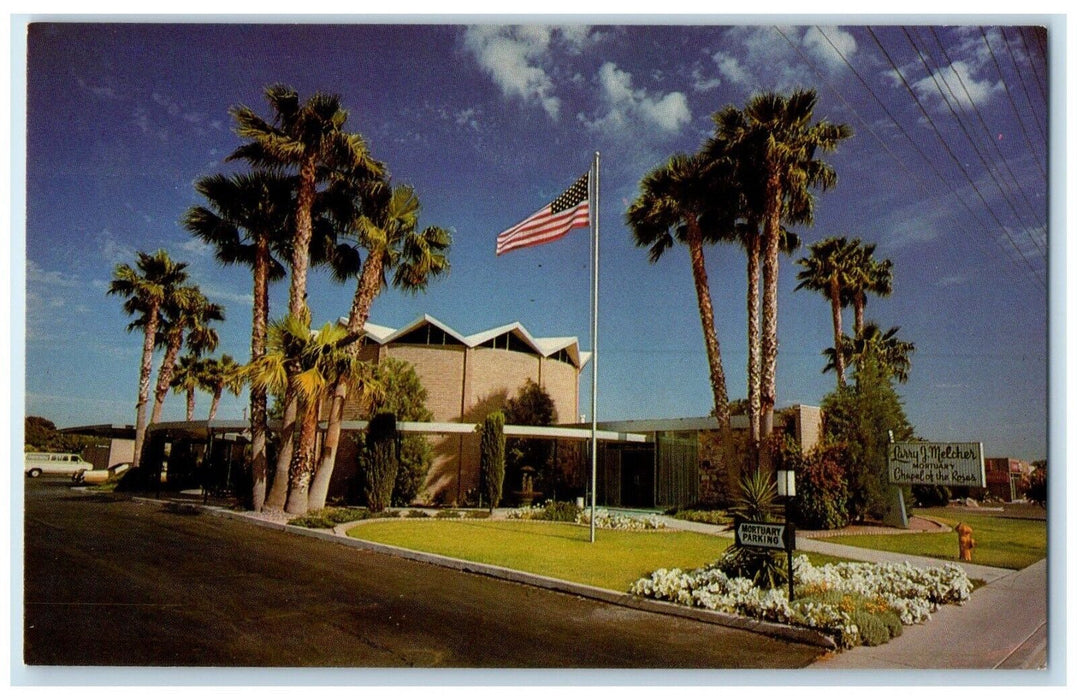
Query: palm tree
[[893, 354], [188, 378], [188, 312], [830, 269], [868, 276], [388, 230], [318, 358], [676, 200], [220, 374], [146, 288], [248, 221], [773, 144], [308, 138]]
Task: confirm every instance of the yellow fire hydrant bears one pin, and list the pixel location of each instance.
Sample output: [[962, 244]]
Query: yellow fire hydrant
[[965, 543]]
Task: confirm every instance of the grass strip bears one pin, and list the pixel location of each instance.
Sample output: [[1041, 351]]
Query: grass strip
[[560, 550], [1007, 543]]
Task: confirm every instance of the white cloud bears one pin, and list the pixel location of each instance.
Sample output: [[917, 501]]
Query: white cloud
[[730, 68], [831, 46], [49, 278], [112, 250], [627, 106], [518, 58], [957, 82]]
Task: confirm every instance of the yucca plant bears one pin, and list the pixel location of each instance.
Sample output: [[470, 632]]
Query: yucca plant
[[763, 566]]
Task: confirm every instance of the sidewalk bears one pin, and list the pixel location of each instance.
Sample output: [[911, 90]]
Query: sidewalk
[[1003, 625]]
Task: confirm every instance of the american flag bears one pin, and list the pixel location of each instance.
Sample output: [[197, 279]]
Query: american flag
[[570, 210]]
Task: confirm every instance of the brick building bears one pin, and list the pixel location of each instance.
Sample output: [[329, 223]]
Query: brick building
[[466, 377]]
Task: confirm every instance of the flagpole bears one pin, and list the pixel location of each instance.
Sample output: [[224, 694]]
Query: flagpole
[[594, 339]]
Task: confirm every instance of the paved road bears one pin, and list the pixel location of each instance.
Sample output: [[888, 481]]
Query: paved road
[[109, 581]]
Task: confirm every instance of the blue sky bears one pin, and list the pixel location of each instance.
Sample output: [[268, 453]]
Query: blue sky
[[490, 122]]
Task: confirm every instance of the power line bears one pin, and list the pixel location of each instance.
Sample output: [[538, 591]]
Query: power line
[[913, 142], [1009, 96], [950, 152], [935, 75], [1039, 214]]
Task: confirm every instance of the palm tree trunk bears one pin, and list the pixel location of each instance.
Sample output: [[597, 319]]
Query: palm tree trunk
[[145, 372], [164, 375], [215, 402], [706, 317], [769, 339], [297, 306], [259, 422], [366, 290], [190, 405], [859, 302], [278, 491], [753, 340], [835, 313], [299, 473], [297, 293]]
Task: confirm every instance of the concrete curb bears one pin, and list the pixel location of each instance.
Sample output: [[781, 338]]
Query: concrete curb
[[772, 629]]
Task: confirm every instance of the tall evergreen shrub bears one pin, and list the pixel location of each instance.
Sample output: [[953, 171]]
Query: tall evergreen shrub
[[492, 456], [380, 460]]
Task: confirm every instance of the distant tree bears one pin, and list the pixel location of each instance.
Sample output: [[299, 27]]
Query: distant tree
[[868, 276], [220, 374], [146, 287], [185, 317], [188, 378], [41, 435], [532, 405], [859, 416], [829, 270], [1037, 484]]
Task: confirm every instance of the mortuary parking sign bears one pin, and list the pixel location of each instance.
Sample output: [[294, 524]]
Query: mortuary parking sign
[[937, 463], [765, 535]]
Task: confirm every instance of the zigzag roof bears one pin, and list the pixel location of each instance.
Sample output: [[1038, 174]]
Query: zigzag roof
[[545, 347]]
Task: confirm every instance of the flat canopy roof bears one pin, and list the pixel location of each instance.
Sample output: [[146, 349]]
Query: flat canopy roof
[[109, 430], [203, 428]]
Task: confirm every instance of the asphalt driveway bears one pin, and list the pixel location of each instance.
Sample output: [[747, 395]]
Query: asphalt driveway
[[115, 582]]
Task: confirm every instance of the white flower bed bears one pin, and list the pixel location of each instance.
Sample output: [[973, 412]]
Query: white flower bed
[[603, 518], [913, 593], [618, 521]]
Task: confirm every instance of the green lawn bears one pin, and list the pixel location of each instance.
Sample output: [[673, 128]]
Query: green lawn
[[1009, 543], [559, 550]]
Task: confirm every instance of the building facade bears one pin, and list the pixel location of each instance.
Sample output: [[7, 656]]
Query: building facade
[[466, 377]]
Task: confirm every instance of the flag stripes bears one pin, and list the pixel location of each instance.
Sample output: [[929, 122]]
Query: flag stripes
[[569, 211]]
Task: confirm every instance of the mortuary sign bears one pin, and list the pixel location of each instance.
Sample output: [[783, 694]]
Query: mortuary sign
[[937, 463]]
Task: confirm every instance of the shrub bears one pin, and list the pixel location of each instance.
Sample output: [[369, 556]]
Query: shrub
[[412, 467], [761, 566], [561, 511], [712, 517], [446, 514], [379, 462], [931, 496], [492, 457], [416, 514], [476, 514], [822, 496]]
